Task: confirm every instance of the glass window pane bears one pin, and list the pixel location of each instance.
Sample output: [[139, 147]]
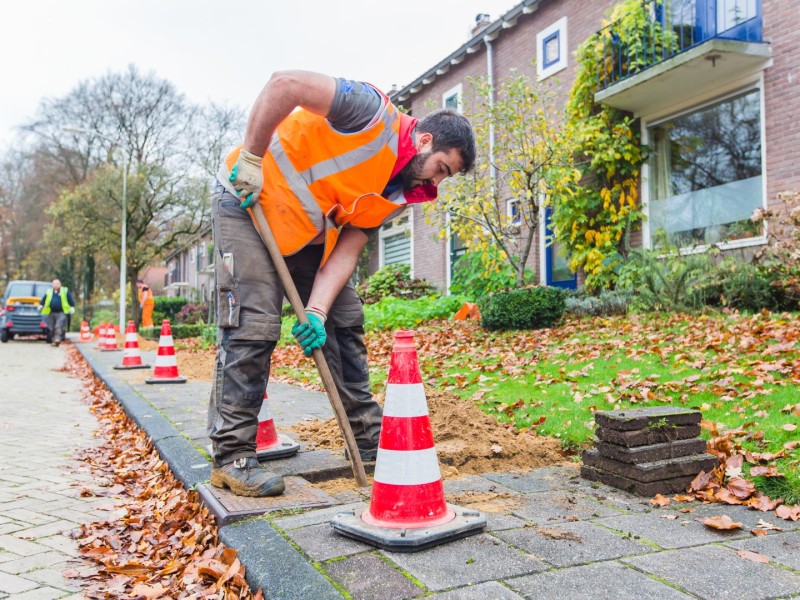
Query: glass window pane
[[731, 13], [705, 170], [559, 269]]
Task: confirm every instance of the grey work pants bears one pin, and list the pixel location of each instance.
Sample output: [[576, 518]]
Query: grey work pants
[[55, 323], [249, 295]]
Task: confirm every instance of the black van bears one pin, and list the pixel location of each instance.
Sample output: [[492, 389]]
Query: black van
[[20, 313]]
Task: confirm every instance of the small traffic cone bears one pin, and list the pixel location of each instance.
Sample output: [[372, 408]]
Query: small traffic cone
[[270, 444], [85, 334], [407, 511], [109, 343], [101, 336], [166, 369], [131, 357]]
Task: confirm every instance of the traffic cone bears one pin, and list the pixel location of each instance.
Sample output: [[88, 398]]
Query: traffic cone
[[166, 369], [131, 357], [101, 336], [109, 343], [85, 334], [407, 511], [270, 444]]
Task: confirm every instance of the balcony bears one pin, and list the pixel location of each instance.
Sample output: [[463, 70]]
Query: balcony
[[669, 50]]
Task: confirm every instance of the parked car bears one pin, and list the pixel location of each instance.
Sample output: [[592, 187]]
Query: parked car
[[20, 313]]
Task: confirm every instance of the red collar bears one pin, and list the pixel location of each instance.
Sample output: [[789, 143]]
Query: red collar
[[405, 152]]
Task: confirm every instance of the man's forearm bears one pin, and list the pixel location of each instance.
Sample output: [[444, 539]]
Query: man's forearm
[[337, 270]]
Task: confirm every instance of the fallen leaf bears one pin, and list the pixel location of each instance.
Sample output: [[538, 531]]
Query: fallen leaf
[[789, 513], [765, 471], [659, 500], [758, 532], [753, 556], [762, 524], [497, 448], [723, 522], [792, 445], [670, 517], [789, 427], [741, 488]]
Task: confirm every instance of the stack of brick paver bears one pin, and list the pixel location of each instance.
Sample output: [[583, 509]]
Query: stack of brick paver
[[647, 451]]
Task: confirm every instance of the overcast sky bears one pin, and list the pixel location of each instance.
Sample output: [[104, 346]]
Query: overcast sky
[[220, 51]]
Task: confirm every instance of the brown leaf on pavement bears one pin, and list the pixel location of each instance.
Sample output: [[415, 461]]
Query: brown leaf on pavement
[[741, 488], [753, 556], [659, 500], [723, 522], [763, 502], [789, 513]]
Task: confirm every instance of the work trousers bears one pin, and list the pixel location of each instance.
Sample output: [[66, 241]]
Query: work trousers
[[249, 296], [55, 323]]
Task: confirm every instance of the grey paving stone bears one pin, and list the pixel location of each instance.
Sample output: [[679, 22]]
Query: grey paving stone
[[53, 578], [670, 533], [717, 572], [658, 470], [643, 454], [274, 565], [569, 544], [646, 437], [491, 590], [748, 517], [500, 521], [557, 506], [315, 517], [783, 548], [10, 543], [12, 584], [473, 483], [600, 580], [320, 542], [40, 593], [523, 483], [52, 528], [471, 560], [32, 562], [366, 577], [630, 419]]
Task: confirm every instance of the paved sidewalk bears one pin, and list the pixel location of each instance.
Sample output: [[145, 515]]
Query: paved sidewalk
[[565, 537], [43, 422]]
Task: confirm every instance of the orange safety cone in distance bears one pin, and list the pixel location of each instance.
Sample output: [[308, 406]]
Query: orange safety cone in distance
[[269, 443], [85, 334], [110, 340], [407, 511], [166, 368], [131, 357]]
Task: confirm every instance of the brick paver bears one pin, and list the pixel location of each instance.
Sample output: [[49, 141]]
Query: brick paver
[[43, 423]]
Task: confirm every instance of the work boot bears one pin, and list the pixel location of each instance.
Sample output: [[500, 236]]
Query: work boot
[[246, 477], [367, 454]]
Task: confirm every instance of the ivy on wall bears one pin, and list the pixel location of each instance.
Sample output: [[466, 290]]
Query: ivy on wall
[[597, 202]]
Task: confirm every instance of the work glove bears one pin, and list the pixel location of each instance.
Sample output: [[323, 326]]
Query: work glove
[[311, 335], [247, 178]]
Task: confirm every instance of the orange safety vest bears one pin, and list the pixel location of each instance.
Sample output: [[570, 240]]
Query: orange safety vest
[[317, 179]]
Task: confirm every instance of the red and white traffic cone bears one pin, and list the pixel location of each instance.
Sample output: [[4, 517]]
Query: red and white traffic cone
[[269, 443], [101, 336], [109, 343], [407, 511], [166, 369], [131, 357], [85, 334]]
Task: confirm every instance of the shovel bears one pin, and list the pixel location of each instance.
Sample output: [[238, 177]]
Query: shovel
[[319, 358]]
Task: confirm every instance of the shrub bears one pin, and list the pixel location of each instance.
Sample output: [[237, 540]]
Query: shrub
[[394, 280], [180, 331], [744, 287], [779, 260], [524, 308], [168, 308], [401, 313], [194, 312], [610, 303]]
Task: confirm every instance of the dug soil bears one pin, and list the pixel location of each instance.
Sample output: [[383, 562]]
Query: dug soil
[[468, 441]]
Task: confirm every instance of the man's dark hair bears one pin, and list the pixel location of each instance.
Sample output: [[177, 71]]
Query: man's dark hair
[[450, 129]]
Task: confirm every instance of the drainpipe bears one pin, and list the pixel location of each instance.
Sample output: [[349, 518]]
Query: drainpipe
[[487, 39]]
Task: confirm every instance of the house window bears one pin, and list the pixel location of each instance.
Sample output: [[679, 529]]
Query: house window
[[192, 250], [452, 98], [706, 172], [512, 212], [395, 241], [551, 49], [731, 13]]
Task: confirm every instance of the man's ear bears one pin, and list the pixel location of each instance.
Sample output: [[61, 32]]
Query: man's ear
[[424, 142]]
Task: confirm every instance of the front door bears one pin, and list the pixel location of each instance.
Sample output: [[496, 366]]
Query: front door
[[557, 273]]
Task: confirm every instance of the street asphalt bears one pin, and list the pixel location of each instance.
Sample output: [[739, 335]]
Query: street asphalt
[[561, 536]]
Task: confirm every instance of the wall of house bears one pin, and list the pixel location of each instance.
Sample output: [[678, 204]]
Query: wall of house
[[781, 98], [514, 48]]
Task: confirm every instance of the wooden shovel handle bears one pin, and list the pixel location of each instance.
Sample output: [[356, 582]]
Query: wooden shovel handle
[[319, 358]]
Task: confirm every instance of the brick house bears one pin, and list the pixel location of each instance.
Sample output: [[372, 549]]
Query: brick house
[[190, 270], [718, 113]]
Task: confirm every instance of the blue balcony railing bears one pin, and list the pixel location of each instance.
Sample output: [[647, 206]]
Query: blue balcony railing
[[660, 29]]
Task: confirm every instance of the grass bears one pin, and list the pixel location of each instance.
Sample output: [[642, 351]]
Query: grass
[[741, 371]]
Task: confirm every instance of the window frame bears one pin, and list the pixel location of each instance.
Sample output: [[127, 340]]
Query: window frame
[[559, 31], [742, 87], [396, 227], [457, 91]]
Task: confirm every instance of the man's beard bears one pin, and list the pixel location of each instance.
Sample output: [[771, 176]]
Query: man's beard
[[412, 172]]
